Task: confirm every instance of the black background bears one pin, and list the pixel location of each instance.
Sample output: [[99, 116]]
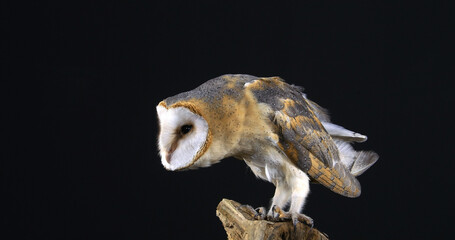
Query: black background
[[80, 82]]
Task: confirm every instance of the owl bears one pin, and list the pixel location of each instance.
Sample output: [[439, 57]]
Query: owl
[[284, 137]]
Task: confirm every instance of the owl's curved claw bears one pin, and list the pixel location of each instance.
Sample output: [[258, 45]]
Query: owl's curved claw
[[258, 213], [299, 217], [277, 214], [247, 209]]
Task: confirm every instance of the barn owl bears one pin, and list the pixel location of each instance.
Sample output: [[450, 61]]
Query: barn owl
[[284, 137]]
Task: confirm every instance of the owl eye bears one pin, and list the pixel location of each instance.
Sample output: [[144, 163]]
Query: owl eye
[[185, 129]]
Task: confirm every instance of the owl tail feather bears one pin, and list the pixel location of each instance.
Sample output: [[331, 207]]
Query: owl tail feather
[[364, 160], [356, 161]]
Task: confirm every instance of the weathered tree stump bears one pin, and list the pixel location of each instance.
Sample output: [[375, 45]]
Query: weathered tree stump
[[240, 224]]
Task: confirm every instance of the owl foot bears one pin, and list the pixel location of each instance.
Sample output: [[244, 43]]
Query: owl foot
[[277, 214], [258, 213], [261, 213], [300, 217]]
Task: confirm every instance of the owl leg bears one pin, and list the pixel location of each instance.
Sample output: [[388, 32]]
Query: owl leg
[[296, 216], [300, 185], [276, 213], [280, 199]]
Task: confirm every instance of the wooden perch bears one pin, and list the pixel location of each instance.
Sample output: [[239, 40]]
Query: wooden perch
[[240, 224]]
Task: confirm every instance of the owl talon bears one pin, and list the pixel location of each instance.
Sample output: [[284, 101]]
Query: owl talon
[[295, 221], [260, 213], [276, 214], [248, 210], [257, 214], [299, 217]]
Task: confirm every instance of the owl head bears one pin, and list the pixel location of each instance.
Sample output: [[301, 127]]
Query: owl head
[[202, 126], [184, 135]]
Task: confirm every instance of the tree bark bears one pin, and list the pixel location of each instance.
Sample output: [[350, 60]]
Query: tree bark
[[240, 224]]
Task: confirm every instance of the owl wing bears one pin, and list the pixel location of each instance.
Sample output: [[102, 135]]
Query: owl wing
[[302, 137]]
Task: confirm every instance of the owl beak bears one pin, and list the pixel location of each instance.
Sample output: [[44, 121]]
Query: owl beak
[[168, 157], [170, 151]]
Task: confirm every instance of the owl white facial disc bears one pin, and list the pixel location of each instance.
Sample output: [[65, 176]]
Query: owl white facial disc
[[183, 134]]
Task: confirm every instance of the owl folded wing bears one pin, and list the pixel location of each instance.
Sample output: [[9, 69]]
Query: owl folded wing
[[304, 139]]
